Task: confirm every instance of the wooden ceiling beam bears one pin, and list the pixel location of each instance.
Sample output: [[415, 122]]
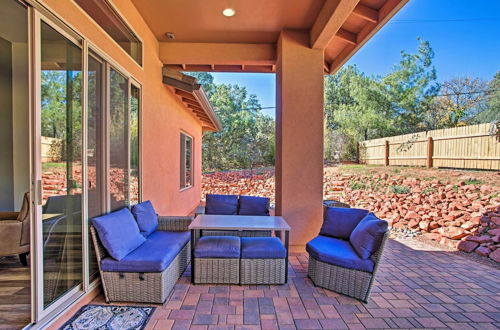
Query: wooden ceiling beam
[[330, 19], [366, 13], [348, 36]]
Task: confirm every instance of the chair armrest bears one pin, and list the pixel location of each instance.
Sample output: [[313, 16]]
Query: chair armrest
[[199, 210], [9, 215], [174, 223]]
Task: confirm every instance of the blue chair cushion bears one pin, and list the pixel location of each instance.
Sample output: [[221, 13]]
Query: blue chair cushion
[[262, 248], [367, 236], [336, 251], [156, 254], [118, 232], [252, 205], [146, 217], [340, 222], [221, 204], [218, 247]]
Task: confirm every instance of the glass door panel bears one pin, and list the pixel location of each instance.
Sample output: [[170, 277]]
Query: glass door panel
[[118, 141], [61, 163], [95, 150]]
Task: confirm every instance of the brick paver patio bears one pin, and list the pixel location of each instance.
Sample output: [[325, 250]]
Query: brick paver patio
[[418, 286]]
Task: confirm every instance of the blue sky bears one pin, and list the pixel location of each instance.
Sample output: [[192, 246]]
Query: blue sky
[[465, 36]]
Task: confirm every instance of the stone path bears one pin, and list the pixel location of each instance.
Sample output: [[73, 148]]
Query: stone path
[[418, 286]]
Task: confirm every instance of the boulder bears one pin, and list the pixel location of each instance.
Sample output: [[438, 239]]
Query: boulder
[[495, 255], [467, 246], [452, 232], [479, 239], [483, 251]]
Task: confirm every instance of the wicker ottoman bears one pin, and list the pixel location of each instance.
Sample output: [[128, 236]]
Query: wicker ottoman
[[217, 260], [262, 261]]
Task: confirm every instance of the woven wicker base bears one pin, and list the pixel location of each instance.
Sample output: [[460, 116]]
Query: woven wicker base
[[262, 271], [217, 270], [244, 233], [353, 283], [153, 288]]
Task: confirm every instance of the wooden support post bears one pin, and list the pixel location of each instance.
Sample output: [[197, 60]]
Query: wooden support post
[[386, 153], [430, 151]]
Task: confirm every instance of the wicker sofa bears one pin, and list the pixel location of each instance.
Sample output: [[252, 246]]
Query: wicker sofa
[[149, 271], [235, 205], [345, 256]]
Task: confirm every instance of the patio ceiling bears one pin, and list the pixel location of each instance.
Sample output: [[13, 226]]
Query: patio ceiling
[[206, 40]]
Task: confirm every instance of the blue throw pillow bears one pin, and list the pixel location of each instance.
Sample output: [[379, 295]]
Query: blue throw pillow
[[146, 217], [252, 205], [340, 222], [367, 236], [221, 204], [118, 232]]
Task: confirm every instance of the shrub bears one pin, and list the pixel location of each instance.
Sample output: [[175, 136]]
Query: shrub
[[400, 189], [357, 185]]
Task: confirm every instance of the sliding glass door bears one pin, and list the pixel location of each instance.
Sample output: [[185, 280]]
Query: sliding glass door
[[61, 163]]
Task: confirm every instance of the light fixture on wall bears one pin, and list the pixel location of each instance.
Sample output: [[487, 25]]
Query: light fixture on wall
[[228, 12], [170, 35]]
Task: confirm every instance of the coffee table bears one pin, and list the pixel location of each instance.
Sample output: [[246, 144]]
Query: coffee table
[[238, 223]]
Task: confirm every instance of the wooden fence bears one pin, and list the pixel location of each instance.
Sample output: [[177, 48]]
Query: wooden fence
[[468, 147]]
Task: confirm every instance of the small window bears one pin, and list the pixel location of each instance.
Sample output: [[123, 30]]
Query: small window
[[186, 161], [103, 13]]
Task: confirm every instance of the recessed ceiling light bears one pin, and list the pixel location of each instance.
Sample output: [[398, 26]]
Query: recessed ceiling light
[[228, 12]]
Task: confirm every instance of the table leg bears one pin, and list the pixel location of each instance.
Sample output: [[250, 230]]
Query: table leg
[[287, 252], [193, 244]]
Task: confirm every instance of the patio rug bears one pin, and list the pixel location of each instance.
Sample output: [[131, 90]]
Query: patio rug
[[109, 317]]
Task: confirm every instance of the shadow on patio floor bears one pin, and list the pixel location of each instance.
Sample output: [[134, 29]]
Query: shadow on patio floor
[[418, 286]]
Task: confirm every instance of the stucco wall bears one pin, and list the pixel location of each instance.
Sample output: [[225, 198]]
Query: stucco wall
[[163, 115]]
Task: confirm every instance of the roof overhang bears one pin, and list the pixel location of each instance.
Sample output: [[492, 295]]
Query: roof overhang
[[194, 98], [247, 41]]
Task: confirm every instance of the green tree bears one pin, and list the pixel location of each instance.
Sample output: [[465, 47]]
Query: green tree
[[247, 136], [491, 111], [411, 88]]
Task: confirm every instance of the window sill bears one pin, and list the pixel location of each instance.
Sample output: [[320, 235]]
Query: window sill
[[185, 188]]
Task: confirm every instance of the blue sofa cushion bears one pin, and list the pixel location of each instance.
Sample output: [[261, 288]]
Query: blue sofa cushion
[[367, 236], [252, 205], [146, 217], [262, 248], [156, 254], [118, 232], [340, 222], [218, 247], [336, 251], [221, 204]]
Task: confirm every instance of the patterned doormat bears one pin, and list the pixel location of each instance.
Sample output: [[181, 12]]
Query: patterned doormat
[[109, 317]]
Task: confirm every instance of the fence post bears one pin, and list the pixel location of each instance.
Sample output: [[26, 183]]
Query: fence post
[[430, 151], [386, 153]]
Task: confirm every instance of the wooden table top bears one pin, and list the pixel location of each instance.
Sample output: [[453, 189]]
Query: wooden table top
[[239, 222]]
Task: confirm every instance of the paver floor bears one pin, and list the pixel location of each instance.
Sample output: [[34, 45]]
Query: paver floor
[[417, 286]]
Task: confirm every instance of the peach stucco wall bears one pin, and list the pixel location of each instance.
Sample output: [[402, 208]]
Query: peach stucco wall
[[163, 115], [299, 135]]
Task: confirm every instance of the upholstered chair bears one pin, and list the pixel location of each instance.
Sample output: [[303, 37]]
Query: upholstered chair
[[15, 231]]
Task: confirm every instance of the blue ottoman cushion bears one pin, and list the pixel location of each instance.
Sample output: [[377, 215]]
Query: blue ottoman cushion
[[252, 205], [156, 254], [221, 204], [340, 222], [146, 217], [118, 232], [262, 248], [367, 236], [336, 251], [218, 247]]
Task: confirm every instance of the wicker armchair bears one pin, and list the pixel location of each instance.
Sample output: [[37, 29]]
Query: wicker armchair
[[351, 282], [152, 287], [344, 257]]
